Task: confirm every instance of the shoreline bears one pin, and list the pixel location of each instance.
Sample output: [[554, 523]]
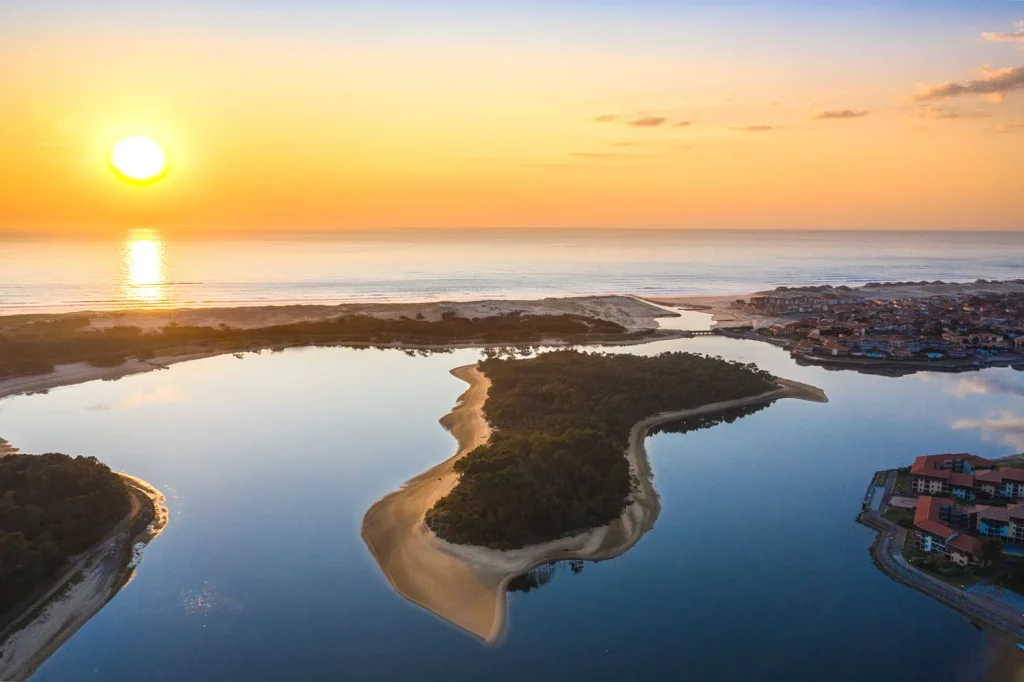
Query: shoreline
[[467, 585], [85, 586]]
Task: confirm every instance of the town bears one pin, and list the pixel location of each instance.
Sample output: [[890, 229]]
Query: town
[[845, 325]]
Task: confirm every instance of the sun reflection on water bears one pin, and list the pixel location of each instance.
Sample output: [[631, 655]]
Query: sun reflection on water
[[143, 269]]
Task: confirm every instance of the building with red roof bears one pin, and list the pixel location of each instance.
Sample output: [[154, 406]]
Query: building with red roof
[[965, 476]]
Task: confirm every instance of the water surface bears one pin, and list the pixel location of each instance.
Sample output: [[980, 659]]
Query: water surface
[[147, 268], [755, 569]]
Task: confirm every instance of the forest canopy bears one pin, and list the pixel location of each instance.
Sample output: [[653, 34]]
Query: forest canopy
[[52, 507], [555, 464], [34, 345]]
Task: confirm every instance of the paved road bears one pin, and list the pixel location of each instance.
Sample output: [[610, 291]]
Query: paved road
[[888, 557]]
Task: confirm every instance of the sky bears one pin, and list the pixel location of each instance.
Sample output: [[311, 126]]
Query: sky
[[649, 114]]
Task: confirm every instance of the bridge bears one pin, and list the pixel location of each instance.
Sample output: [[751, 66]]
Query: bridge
[[699, 332]]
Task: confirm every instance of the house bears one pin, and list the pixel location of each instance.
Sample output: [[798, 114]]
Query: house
[[934, 531], [952, 474]]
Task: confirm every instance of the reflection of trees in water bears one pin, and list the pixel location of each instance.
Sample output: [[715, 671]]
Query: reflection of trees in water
[[709, 420], [542, 575]]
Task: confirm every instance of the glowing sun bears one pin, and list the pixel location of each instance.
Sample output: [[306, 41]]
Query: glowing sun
[[138, 159]]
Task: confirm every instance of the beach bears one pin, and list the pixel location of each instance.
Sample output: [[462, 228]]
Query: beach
[[466, 585]]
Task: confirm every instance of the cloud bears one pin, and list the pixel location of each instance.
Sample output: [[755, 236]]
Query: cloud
[[1006, 428], [593, 155], [756, 129], [647, 121], [607, 118], [682, 124], [940, 113], [842, 115], [1014, 37], [1011, 128], [994, 83], [982, 384], [625, 144]]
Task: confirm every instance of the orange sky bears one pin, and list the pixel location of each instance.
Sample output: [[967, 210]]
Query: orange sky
[[279, 128]]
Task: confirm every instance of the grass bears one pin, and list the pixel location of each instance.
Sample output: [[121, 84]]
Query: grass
[[898, 516], [903, 481]]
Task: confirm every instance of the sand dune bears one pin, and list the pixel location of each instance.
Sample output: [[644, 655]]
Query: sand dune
[[466, 585]]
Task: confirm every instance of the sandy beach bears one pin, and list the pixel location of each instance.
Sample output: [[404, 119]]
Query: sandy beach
[[632, 313], [466, 585], [627, 311], [90, 580]]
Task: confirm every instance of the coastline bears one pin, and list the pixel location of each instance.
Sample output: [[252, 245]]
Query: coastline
[[466, 585], [85, 586], [636, 316]]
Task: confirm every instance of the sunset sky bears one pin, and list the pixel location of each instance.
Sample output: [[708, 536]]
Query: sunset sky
[[881, 115]]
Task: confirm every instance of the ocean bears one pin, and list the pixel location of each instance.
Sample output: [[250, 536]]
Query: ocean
[[146, 269]]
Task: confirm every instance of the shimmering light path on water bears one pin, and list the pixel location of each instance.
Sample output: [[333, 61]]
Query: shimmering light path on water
[[149, 269]]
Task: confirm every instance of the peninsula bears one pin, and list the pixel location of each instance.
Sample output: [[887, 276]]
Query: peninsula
[[70, 530], [43, 351], [554, 468]]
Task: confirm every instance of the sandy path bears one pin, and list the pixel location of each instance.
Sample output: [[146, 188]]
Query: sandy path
[[466, 585], [68, 605]]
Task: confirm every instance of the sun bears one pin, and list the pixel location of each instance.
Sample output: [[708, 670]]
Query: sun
[[138, 159]]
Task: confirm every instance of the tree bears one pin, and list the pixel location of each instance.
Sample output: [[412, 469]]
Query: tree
[[990, 550]]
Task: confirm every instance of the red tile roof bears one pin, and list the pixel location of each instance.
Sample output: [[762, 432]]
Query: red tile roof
[[965, 543], [962, 480], [1011, 474], [926, 516]]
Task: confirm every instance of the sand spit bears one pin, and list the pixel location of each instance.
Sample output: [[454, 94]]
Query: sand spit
[[631, 313], [90, 581], [624, 310], [466, 585]]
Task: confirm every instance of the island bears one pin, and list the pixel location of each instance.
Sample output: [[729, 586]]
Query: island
[[70, 530], [550, 466]]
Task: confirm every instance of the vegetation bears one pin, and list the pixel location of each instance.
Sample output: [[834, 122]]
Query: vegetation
[[53, 507], [33, 345], [554, 465]]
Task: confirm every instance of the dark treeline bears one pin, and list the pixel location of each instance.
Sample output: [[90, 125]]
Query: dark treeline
[[555, 465], [542, 575], [708, 420], [51, 508], [29, 345]]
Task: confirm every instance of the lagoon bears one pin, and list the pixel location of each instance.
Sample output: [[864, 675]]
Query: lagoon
[[756, 568]]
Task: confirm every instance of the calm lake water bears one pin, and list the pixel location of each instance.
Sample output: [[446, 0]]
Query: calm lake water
[[145, 268], [755, 570]]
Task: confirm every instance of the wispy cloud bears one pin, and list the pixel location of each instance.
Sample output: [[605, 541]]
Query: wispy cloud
[[647, 121], [994, 83], [940, 113], [1006, 428], [160, 394], [841, 114], [593, 155], [1012, 37], [607, 118], [625, 144], [1011, 128], [682, 124], [756, 129]]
